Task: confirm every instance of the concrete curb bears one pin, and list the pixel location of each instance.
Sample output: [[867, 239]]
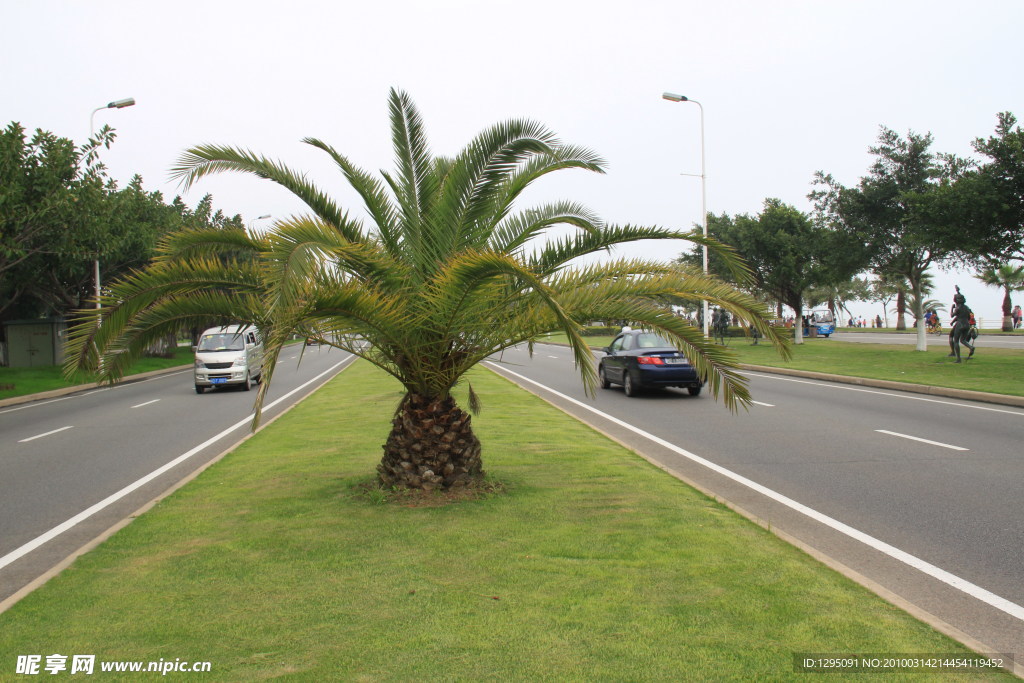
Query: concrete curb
[[962, 394], [66, 391]]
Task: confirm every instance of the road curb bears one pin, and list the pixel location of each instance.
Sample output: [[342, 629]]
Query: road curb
[[945, 392], [66, 391]]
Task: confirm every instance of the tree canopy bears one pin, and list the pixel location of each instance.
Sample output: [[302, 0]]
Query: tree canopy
[[60, 212], [788, 254]]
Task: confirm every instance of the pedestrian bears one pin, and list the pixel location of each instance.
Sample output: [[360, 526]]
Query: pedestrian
[[878, 321], [1016, 315]]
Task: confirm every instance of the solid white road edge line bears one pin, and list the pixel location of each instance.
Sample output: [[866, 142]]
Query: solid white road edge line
[[917, 438], [844, 387], [766, 405], [39, 436], [113, 498], [931, 570]]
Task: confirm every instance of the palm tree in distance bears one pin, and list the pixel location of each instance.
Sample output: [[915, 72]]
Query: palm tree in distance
[[447, 275], [1010, 278]]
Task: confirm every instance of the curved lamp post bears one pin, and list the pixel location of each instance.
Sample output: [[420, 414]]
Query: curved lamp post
[[672, 97], [258, 218], [116, 104]]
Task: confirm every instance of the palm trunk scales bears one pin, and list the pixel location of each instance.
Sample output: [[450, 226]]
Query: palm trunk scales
[[431, 446]]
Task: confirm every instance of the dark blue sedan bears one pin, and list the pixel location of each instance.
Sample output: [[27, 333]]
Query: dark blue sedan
[[638, 360]]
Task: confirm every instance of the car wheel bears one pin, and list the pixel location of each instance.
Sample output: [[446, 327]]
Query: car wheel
[[603, 375], [694, 391], [200, 389], [628, 385]]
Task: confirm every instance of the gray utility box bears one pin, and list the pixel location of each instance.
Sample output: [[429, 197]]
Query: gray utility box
[[34, 343]]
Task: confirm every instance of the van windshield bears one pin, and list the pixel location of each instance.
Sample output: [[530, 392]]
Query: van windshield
[[231, 341]]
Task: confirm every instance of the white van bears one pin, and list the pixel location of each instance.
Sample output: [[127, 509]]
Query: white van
[[228, 355]]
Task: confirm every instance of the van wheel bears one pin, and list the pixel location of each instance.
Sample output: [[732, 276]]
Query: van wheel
[[248, 382], [200, 389]]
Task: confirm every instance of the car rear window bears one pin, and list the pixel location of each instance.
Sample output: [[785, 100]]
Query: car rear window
[[651, 341]]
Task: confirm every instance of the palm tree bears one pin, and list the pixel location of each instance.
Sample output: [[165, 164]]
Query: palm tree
[[446, 275], [1010, 278]]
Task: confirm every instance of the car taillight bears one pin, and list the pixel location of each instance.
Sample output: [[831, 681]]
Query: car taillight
[[650, 360]]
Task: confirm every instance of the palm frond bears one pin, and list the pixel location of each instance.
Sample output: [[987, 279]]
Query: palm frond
[[517, 230], [205, 160], [378, 204]]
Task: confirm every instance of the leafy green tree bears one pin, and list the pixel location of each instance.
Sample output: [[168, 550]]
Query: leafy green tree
[[447, 274], [788, 254], [892, 211], [883, 289], [838, 295], [42, 186], [1010, 278], [986, 202]]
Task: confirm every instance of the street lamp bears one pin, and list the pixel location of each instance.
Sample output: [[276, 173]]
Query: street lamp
[[258, 218], [672, 97], [116, 104]]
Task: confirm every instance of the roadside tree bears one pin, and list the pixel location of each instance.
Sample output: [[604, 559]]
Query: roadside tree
[[788, 254], [892, 212], [1010, 278], [447, 275]]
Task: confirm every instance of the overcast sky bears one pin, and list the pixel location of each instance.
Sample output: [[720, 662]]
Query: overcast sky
[[788, 87]]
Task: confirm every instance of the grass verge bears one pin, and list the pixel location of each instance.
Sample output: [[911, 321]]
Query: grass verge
[[993, 370], [25, 381], [584, 563]]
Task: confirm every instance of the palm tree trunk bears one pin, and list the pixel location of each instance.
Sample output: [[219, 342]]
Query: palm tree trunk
[[901, 307], [1007, 310], [431, 446]]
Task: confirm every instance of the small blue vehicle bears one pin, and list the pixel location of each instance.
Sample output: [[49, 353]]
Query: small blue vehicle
[[823, 321]]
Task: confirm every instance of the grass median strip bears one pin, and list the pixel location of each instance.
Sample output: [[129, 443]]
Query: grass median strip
[[583, 563]]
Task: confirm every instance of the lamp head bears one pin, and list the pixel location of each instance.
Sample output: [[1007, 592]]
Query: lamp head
[[672, 97], [121, 104]]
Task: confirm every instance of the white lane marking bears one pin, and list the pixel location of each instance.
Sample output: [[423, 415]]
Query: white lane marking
[[39, 436], [975, 591], [113, 498], [555, 357], [90, 392], [917, 438], [766, 405], [155, 400], [837, 385]]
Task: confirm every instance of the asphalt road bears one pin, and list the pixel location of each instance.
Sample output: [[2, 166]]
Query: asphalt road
[[934, 525], [71, 468], [994, 341]]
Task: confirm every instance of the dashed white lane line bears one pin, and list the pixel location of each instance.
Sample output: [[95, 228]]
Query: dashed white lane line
[[155, 400], [974, 590], [766, 405], [917, 438], [39, 436]]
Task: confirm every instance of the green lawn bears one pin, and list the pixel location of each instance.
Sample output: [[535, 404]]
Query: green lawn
[[587, 564], [993, 370], [24, 381]]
